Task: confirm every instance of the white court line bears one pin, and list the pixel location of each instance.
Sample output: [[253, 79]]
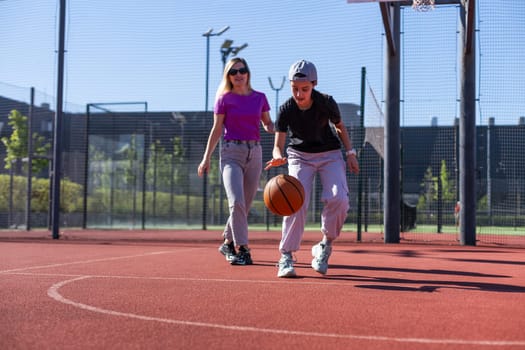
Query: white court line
[[83, 262], [187, 279], [53, 292]]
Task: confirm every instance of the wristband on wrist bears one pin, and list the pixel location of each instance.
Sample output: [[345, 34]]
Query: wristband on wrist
[[351, 152]]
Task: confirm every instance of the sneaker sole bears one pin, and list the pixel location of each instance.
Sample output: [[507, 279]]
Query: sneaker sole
[[317, 268], [322, 272], [232, 262], [289, 274]]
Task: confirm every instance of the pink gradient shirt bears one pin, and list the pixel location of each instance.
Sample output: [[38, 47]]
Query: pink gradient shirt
[[242, 114]]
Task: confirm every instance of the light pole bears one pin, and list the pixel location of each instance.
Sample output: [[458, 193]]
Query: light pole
[[267, 213], [226, 50], [207, 35], [276, 93]]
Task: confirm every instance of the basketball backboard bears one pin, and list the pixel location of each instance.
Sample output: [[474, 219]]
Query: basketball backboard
[[354, 1], [410, 2], [418, 5]]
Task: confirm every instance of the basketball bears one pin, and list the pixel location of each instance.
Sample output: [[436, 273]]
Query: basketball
[[283, 195]]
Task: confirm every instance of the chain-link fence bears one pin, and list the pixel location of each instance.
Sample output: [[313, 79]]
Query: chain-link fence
[[125, 166]]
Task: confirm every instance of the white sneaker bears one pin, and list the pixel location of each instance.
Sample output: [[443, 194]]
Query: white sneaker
[[286, 266], [321, 252]]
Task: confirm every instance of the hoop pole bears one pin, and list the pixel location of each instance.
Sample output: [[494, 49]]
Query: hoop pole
[[392, 137], [467, 133], [57, 132], [362, 143], [29, 158]]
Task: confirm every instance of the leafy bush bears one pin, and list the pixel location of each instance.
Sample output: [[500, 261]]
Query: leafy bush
[[70, 198]]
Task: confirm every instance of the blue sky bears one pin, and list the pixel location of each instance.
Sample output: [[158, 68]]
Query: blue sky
[[154, 51]]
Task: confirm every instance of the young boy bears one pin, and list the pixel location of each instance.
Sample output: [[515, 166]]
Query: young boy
[[313, 123]]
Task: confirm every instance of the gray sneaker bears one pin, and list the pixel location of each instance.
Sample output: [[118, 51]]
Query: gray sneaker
[[228, 250], [286, 266], [321, 252]]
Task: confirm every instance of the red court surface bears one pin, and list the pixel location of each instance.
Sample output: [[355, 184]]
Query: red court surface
[[173, 290]]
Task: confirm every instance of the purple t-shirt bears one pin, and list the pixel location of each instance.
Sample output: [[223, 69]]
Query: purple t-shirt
[[242, 114]]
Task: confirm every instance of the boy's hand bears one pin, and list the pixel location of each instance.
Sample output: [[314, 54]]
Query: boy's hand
[[274, 162], [353, 164]]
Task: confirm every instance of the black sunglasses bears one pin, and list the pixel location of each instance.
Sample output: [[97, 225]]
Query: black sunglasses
[[234, 71]]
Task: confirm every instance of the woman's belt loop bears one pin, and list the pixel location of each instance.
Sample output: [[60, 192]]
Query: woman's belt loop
[[244, 142]]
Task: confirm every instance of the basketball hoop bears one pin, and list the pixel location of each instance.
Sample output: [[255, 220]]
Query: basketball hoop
[[423, 5]]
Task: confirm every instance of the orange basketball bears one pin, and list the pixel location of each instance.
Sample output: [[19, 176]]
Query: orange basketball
[[283, 195]]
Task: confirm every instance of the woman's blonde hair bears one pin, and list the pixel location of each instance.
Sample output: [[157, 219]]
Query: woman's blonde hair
[[226, 85]]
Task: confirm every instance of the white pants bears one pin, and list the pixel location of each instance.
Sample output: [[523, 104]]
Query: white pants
[[332, 171], [241, 167]]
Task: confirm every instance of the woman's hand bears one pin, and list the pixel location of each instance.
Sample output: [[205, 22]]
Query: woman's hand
[[269, 128], [203, 167]]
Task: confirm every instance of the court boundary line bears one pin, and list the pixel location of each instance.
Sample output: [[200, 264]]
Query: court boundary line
[[53, 292], [289, 281]]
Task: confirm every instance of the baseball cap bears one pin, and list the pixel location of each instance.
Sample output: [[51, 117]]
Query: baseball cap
[[302, 71]]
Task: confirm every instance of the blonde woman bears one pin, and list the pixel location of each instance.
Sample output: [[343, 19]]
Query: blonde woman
[[239, 110]]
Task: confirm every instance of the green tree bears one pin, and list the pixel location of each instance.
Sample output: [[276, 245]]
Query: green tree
[[159, 165], [17, 144], [448, 187], [180, 173], [429, 190], [130, 163]]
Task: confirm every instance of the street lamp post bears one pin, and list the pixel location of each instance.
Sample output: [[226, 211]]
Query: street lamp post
[[276, 93], [268, 176], [226, 50], [207, 35]]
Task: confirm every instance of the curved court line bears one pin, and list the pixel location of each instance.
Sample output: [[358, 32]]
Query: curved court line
[[53, 292]]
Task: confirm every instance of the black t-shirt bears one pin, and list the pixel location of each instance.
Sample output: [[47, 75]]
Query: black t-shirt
[[311, 130]]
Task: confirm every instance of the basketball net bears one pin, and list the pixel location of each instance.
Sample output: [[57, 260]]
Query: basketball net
[[423, 5], [375, 135]]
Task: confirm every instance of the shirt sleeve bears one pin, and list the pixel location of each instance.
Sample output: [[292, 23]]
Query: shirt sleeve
[[266, 105], [333, 108], [219, 106]]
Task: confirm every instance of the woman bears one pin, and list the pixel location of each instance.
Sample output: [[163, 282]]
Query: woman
[[238, 110]]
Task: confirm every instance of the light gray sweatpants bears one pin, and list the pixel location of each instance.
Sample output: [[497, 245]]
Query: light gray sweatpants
[[332, 171], [241, 167]]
